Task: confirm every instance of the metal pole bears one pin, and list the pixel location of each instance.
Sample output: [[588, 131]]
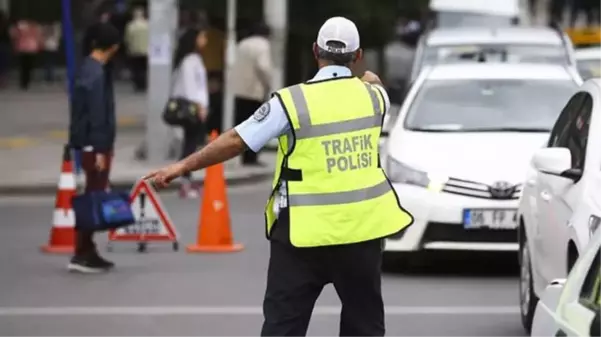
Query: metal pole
[[69, 39], [276, 16], [230, 55], [67, 28], [161, 35]]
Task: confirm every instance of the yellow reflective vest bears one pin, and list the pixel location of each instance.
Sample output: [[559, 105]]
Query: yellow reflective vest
[[337, 191]]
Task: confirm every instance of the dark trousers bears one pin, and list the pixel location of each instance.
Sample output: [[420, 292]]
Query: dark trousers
[[245, 108], [4, 61], [193, 137], [296, 277], [26, 63], [139, 72], [590, 9], [215, 112], [49, 58], [95, 181], [532, 7], [216, 98]]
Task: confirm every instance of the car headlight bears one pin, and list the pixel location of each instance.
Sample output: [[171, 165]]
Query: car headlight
[[593, 224], [401, 173]]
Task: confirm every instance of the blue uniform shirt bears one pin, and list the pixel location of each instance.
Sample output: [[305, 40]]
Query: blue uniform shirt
[[270, 121]]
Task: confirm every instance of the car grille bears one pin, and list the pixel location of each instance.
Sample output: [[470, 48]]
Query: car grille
[[480, 190], [440, 231]]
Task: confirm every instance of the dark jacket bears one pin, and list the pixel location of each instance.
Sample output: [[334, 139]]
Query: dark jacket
[[92, 109]]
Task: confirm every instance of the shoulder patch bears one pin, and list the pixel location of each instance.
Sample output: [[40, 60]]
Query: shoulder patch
[[262, 112]]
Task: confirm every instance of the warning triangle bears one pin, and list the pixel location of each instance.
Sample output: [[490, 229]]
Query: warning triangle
[[152, 220]]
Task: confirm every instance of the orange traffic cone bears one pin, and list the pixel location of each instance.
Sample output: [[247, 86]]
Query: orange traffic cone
[[214, 232], [62, 235]]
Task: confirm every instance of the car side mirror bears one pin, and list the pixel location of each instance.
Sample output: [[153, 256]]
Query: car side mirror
[[552, 293], [556, 161]]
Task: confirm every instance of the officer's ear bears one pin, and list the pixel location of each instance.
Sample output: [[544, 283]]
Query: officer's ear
[[359, 55], [315, 50]]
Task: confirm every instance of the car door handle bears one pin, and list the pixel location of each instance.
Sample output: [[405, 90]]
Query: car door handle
[[546, 196]]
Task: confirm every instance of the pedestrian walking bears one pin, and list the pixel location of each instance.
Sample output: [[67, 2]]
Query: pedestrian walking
[[136, 40], [92, 130], [27, 38], [331, 205], [52, 40], [253, 69], [191, 85]]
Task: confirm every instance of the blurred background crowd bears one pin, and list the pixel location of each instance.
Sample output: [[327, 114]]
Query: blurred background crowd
[[31, 45]]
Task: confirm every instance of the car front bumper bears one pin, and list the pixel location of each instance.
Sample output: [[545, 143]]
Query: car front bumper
[[438, 223]]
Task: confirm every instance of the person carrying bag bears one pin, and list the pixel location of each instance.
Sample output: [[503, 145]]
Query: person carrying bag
[[188, 104]]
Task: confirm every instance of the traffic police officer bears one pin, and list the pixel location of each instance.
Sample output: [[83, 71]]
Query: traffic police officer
[[331, 204]]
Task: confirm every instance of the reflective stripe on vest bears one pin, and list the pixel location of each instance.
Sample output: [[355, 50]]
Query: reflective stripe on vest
[[307, 130], [339, 197]]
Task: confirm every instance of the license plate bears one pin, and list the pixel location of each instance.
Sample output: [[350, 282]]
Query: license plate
[[490, 218]]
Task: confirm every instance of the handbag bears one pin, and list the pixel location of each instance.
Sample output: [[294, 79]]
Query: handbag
[[101, 210], [180, 112]]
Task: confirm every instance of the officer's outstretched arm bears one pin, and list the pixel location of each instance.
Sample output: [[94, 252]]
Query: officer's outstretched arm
[[371, 78], [225, 147]]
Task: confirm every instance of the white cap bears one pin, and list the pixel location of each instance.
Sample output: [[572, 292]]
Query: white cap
[[341, 30]]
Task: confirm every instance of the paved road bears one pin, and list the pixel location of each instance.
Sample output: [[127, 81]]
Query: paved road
[[163, 292]]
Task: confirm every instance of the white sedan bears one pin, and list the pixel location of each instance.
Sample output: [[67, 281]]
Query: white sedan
[[561, 201], [572, 307], [588, 61], [460, 147]]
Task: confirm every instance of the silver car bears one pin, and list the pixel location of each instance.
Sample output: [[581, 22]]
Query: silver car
[[482, 44]]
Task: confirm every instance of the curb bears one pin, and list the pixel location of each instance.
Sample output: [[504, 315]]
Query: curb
[[48, 189]]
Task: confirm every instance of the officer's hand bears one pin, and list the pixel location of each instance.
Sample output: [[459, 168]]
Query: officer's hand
[[161, 178], [371, 77], [100, 162]]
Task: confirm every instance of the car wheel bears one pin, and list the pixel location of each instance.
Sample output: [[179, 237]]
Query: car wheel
[[528, 299]]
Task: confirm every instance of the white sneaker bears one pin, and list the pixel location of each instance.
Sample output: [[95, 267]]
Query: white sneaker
[[84, 266]]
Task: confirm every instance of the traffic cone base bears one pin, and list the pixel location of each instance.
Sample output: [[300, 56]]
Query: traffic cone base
[[58, 249], [62, 241], [230, 248], [62, 234]]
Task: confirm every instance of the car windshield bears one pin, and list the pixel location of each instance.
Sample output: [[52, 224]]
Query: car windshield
[[589, 68], [488, 105], [516, 53]]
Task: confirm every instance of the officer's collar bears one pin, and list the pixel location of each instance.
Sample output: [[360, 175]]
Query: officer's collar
[[333, 71]]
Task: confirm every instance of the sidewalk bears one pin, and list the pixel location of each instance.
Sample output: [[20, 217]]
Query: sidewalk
[[36, 169]]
